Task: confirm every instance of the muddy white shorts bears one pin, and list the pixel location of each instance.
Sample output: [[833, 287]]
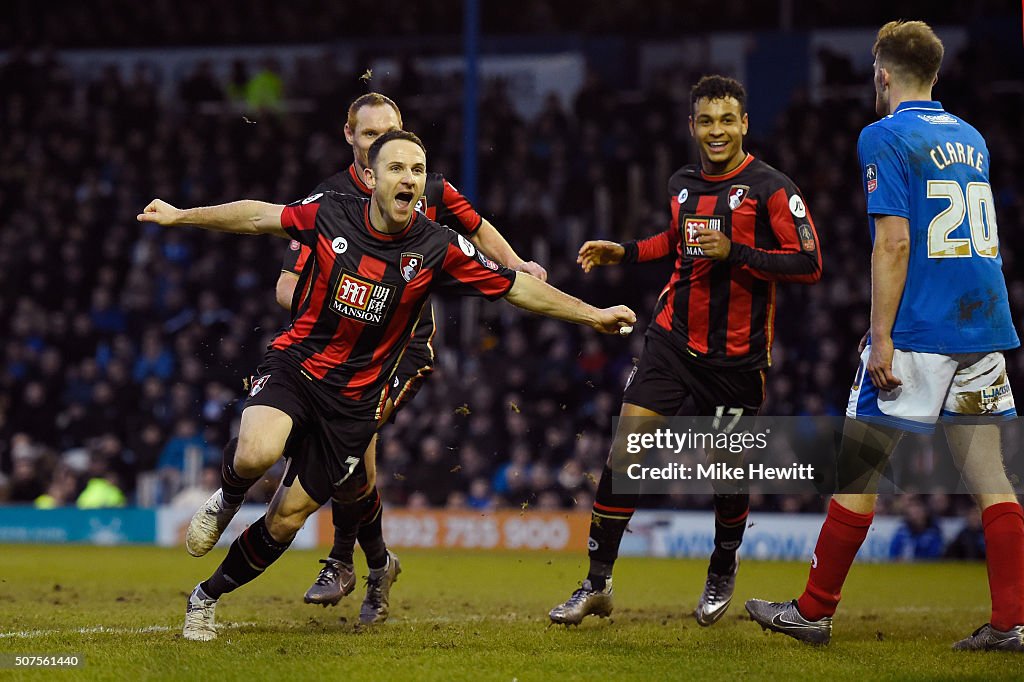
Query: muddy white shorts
[[934, 386]]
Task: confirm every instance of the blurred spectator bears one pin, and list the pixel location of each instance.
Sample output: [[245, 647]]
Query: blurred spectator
[[479, 496], [102, 488], [154, 360], [201, 86], [969, 543], [193, 497], [431, 476], [186, 449], [62, 491], [918, 537], [456, 501], [265, 90]]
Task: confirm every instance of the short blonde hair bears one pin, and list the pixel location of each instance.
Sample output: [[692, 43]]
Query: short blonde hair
[[371, 99], [911, 49]]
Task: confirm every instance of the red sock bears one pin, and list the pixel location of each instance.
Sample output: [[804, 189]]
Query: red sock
[[841, 536], [1004, 544]]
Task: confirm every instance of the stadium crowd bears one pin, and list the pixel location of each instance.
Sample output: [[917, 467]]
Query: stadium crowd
[[124, 23], [126, 347]]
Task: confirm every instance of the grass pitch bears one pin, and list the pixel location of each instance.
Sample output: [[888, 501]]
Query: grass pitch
[[477, 617]]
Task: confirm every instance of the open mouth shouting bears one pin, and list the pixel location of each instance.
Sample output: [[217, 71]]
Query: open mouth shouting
[[403, 201]]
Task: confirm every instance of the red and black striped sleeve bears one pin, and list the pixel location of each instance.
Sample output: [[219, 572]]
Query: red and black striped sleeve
[[455, 210], [467, 271], [661, 245], [798, 258], [299, 219]]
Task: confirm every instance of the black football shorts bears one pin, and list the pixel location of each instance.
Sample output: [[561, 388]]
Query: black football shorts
[[669, 381], [326, 448]]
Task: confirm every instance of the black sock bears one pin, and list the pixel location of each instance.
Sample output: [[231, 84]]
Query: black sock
[[249, 556], [608, 521], [346, 525], [730, 522], [371, 535], [233, 485]]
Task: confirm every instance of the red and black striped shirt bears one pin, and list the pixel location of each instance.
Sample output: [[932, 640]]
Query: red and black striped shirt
[[441, 202], [366, 291], [723, 311]]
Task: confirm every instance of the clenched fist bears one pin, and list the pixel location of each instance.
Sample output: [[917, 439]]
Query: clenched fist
[[612, 320], [159, 212]]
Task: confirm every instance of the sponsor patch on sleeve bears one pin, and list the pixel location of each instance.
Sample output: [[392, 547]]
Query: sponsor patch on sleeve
[[871, 175], [796, 206], [806, 237]]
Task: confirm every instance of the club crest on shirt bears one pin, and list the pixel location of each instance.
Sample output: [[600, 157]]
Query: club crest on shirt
[[411, 264], [258, 384], [871, 175], [737, 195], [691, 225], [362, 299]]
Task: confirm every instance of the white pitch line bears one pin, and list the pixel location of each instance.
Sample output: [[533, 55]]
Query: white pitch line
[[444, 620], [104, 630]]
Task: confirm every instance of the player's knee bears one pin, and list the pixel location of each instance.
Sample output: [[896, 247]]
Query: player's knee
[[255, 453]]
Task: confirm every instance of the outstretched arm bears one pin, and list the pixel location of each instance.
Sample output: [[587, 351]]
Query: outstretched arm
[[240, 217], [529, 293]]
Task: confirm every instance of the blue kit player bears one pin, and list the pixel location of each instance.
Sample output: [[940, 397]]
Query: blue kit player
[[939, 321]]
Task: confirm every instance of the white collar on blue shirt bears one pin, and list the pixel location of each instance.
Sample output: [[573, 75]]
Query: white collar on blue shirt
[[918, 105]]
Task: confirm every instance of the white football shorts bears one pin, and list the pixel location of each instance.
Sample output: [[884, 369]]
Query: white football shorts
[[934, 386]]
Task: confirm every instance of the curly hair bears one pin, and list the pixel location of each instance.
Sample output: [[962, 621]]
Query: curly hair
[[718, 87]]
